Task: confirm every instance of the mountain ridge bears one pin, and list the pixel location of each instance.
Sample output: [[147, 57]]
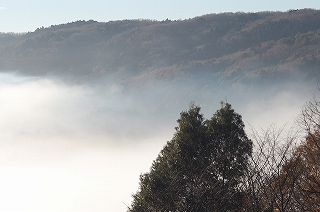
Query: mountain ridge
[[235, 46]]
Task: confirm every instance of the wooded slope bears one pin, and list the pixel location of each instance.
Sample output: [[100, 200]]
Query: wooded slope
[[239, 46]]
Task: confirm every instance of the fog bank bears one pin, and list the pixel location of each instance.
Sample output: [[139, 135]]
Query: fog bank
[[82, 147]]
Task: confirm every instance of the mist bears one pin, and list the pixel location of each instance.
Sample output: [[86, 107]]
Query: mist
[[82, 146]]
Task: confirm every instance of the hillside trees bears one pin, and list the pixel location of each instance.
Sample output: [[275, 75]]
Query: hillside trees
[[232, 46], [201, 168], [307, 162], [308, 155]]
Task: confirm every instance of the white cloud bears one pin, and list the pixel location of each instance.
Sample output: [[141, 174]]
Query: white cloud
[[68, 147]]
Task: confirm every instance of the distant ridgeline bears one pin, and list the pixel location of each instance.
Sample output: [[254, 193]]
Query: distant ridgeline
[[237, 46]]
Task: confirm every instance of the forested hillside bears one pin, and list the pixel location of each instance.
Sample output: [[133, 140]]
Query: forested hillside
[[235, 46]]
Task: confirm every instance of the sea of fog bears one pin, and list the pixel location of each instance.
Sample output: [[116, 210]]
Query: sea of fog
[[82, 146]]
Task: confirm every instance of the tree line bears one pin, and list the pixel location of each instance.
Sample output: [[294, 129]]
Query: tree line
[[231, 45], [212, 165]]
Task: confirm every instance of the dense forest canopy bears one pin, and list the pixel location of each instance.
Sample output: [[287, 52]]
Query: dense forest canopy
[[234, 46]]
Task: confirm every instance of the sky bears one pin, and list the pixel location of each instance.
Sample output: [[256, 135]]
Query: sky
[[24, 16]]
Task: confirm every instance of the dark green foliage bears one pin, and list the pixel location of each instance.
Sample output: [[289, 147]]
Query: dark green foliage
[[226, 129], [200, 168]]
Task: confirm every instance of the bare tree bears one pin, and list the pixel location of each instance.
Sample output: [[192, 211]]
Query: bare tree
[[266, 185], [282, 175], [308, 154]]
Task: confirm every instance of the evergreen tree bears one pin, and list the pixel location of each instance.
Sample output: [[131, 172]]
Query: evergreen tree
[[230, 150], [200, 168]]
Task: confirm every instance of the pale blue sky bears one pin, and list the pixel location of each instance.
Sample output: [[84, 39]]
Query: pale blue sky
[[27, 15]]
